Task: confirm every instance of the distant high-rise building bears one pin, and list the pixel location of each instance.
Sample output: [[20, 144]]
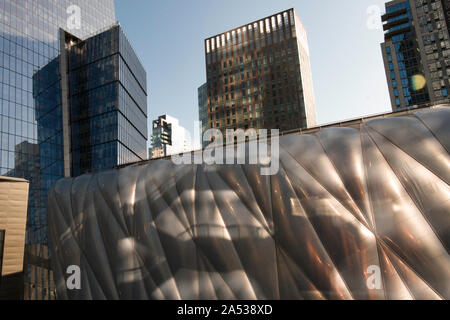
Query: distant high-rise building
[[203, 110], [259, 76], [416, 52], [29, 39], [168, 138]]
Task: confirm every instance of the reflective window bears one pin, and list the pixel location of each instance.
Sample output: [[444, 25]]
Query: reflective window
[[2, 244], [29, 42]]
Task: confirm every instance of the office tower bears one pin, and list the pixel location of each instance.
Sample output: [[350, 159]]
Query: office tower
[[168, 138], [91, 106], [13, 215], [259, 76], [416, 52], [203, 110], [29, 34]]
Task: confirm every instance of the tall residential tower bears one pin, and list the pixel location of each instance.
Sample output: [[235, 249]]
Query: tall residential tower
[[416, 52], [259, 76]]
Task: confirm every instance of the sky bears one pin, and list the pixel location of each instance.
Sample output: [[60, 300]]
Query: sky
[[344, 41]]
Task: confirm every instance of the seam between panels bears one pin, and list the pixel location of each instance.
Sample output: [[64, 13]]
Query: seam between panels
[[243, 203], [312, 225], [142, 260], [372, 211], [320, 183], [208, 261], [150, 180], [275, 236], [172, 175], [431, 131], [100, 229], [82, 252], [342, 181], [404, 187], [232, 242], [411, 198], [134, 230], [410, 269], [407, 153], [402, 279], [312, 228]]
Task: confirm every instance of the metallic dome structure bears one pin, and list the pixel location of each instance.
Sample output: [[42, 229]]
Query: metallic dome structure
[[356, 212]]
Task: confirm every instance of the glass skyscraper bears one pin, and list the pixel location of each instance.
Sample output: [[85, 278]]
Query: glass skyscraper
[[101, 85], [91, 107], [29, 40], [108, 103]]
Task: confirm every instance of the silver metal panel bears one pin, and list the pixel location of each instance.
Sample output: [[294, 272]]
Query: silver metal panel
[[345, 199]]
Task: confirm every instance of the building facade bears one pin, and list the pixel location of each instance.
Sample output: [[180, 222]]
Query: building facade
[[13, 217], [91, 107], [203, 111], [259, 76], [168, 138], [108, 102], [29, 40], [416, 52]]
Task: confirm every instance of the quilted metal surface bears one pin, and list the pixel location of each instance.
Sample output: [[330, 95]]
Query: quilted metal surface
[[344, 200]]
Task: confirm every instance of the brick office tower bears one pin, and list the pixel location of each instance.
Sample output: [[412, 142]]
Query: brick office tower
[[259, 76]]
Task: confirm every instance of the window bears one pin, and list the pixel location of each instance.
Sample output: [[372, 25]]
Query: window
[[2, 243], [388, 49]]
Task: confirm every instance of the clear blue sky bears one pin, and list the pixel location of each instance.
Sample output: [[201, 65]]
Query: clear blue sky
[[344, 40]]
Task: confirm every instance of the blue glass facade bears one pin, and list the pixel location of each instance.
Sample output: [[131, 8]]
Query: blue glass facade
[[108, 103], [107, 106], [408, 57], [28, 41]]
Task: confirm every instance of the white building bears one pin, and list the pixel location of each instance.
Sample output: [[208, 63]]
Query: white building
[[169, 138]]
